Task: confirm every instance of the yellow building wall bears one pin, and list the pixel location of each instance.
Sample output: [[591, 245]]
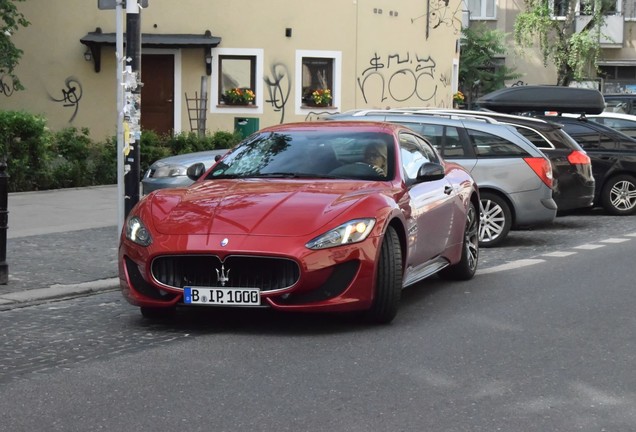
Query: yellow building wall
[[394, 53]]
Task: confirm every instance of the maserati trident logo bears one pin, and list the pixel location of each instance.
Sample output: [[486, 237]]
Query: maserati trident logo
[[222, 276]]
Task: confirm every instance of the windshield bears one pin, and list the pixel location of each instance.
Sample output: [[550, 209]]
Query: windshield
[[310, 154]]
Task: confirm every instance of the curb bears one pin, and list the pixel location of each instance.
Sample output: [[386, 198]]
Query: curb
[[55, 292]]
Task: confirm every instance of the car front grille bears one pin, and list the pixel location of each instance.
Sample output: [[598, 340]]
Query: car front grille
[[266, 273]]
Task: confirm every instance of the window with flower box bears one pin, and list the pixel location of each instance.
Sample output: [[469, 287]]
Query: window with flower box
[[234, 81], [317, 80]]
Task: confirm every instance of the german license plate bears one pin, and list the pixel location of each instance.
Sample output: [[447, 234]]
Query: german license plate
[[216, 296]]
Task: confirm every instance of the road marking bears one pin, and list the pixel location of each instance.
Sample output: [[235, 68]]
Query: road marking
[[631, 234], [559, 254], [511, 265], [614, 240], [589, 246]]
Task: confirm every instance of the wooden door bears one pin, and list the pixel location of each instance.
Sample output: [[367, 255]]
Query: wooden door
[[157, 93]]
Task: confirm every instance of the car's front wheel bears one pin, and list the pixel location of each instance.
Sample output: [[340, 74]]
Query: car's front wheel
[[467, 266], [618, 196], [388, 283], [495, 220]]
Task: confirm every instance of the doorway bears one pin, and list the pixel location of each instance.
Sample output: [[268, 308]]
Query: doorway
[[157, 93]]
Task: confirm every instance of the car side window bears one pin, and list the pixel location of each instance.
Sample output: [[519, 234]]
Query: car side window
[[453, 147], [588, 137], [492, 146], [534, 137], [413, 155]]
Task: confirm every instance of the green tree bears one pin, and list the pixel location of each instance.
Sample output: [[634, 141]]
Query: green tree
[[479, 71], [10, 55], [574, 54]]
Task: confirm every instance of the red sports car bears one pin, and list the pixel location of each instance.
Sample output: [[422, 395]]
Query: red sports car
[[320, 216]]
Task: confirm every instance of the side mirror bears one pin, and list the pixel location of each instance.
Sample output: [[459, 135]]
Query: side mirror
[[430, 171], [195, 171]]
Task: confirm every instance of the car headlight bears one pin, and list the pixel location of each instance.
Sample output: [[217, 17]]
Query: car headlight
[[137, 232], [170, 171], [351, 232]]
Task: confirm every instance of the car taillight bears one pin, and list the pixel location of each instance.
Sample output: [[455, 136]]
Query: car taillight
[[542, 168], [578, 157]]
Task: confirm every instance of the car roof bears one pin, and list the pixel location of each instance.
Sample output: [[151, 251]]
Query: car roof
[[615, 115], [362, 126], [420, 116], [539, 123]]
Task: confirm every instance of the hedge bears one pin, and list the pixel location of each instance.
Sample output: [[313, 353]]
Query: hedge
[[39, 159]]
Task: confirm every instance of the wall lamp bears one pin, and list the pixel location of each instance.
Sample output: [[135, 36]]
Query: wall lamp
[[208, 63]]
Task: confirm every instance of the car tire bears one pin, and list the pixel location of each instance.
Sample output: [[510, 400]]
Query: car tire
[[465, 269], [618, 196], [388, 283], [495, 219], [154, 313]]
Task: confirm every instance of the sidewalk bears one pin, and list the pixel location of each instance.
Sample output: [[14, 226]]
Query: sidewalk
[[60, 243]]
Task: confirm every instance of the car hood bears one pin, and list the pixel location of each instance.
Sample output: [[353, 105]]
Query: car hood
[[256, 207], [186, 159]]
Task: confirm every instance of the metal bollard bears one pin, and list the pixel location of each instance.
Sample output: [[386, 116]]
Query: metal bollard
[[4, 218]]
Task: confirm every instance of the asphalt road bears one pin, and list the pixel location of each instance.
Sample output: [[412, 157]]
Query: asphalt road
[[542, 339]]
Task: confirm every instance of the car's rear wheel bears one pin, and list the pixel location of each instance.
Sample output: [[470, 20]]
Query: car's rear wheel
[[155, 313], [495, 219], [467, 266], [618, 196], [388, 284]]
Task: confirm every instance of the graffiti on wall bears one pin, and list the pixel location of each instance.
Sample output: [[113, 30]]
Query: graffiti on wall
[[439, 14], [7, 85], [71, 94], [278, 88], [398, 78]]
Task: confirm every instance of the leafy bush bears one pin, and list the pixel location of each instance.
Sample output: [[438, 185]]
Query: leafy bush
[[25, 142], [39, 159]]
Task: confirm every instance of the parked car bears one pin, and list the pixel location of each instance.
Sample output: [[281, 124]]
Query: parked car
[[514, 177], [573, 183], [613, 154], [625, 123], [172, 171], [294, 219]]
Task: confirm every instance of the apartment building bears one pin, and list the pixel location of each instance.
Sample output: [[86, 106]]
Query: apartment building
[[617, 62]]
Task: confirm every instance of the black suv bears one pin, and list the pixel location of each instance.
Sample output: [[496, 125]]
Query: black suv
[[573, 186], [613, 156]]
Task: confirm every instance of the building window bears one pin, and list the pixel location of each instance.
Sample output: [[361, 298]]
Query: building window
[[317, 76], [236, 72], [560, 8], [236, 69], [609, 7], [482, 9], [317, 80]]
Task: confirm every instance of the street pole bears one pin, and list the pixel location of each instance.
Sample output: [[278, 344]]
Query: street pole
[[132, 108], [119, 56]]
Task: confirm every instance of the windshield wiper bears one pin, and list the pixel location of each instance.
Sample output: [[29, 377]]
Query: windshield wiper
[[292, 175]]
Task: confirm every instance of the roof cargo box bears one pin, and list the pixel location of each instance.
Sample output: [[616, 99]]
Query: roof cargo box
[[544, 98]]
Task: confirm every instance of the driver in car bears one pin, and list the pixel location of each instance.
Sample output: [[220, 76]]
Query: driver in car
[[375, 155]]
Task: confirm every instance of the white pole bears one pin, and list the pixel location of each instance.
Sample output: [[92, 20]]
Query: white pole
[[120, 114]]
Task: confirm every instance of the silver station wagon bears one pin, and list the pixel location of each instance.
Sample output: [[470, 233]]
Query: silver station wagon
[[514, 177]]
